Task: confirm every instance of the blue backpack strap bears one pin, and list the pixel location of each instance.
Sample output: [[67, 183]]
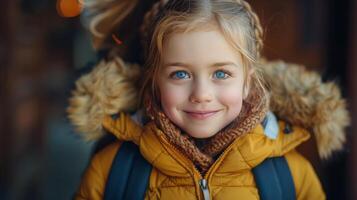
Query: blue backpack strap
[[274, 180], [139, 178], [129, 174]]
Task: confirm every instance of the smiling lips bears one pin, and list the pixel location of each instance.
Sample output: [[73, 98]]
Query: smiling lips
[[201, 114]]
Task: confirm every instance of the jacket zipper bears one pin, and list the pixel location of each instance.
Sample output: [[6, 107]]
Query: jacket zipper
[[204, 188], [203, 183]]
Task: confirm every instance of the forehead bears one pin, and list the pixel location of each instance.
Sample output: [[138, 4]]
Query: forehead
[[199, 47]]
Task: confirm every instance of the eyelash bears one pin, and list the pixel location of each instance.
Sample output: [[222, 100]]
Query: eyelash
[[227, 73], [173, 75]]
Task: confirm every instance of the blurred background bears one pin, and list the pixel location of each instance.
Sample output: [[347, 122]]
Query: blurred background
[[42, 53]]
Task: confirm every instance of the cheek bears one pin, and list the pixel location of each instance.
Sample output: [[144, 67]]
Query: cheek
[[232, 98], [171, 96]]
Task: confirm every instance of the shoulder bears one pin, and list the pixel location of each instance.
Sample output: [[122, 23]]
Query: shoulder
[[307, 184], [298, 164], [104, 158], [93, 181]]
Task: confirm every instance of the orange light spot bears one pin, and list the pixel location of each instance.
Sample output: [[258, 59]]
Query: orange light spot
[[69, 8]]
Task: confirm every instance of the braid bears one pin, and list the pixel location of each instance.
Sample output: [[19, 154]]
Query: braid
[[255, 22]]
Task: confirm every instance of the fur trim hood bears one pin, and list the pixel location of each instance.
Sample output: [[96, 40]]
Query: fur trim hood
[[298, 96]]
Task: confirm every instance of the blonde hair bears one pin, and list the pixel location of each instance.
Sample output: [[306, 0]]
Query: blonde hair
[[233, 18]]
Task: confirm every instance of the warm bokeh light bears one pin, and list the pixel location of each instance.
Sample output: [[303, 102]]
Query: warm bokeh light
[[69, 8]]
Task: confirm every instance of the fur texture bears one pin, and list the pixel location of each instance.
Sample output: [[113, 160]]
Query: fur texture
[[298, 96], [109, 88]]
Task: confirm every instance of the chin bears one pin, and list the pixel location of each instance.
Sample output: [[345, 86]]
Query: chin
[[200, 135]]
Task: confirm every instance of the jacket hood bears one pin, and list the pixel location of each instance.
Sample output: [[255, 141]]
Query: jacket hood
[[298, 96]]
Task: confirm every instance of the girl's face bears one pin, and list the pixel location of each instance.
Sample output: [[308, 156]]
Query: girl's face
[[201, 82]]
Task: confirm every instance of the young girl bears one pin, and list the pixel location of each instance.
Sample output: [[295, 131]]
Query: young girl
[[206, 118]]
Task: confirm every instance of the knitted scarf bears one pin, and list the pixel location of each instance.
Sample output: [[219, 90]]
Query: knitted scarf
[[253, 111]]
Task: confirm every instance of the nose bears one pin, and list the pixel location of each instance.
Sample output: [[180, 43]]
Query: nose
[[201, 93]]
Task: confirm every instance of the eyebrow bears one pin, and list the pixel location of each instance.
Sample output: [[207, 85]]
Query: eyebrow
[[219, 64]]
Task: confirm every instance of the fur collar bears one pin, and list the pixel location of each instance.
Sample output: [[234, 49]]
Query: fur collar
[[298, 97]]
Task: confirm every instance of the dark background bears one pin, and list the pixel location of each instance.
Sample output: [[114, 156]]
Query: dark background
[[40, 53]]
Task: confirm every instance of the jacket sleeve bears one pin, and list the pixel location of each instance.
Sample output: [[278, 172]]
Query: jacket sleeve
[[93, 181], [307, 184]]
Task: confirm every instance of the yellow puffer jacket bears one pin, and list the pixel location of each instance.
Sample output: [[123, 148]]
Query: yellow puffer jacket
[[175, 177], [298, 97]]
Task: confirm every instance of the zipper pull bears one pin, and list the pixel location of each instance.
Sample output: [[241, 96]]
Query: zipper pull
[[204, 187]]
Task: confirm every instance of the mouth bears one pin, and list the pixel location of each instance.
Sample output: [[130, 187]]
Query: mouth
[[201, 114]]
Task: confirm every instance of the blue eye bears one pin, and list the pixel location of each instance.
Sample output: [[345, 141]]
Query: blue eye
[[180, 75], [220, 74]]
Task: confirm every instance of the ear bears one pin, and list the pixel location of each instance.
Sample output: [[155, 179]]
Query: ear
[[247, 83]]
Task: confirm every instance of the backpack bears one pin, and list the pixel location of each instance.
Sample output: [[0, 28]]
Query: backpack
[[130, 172]]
